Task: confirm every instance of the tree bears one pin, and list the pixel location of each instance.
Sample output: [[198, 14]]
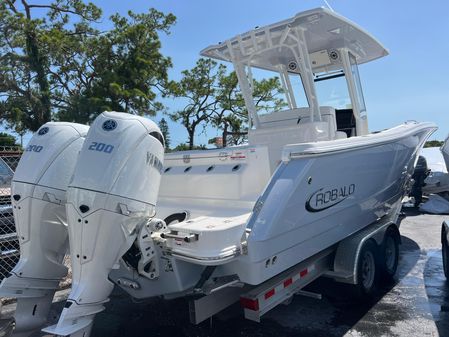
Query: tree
[[213, 96], [231, 115], [128, 69], [55, 65], [26, 42], [165, 132], [186, 147], [433, 143], [7, 139], [198, 88]]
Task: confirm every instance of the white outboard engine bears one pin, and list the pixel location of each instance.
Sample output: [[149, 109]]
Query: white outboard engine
[[38, 192], [113, 193]]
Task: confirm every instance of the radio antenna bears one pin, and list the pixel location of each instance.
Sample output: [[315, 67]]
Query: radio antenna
[[329, 6]]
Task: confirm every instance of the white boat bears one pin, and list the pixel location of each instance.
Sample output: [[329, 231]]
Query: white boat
[[437, 160], [309, 177]]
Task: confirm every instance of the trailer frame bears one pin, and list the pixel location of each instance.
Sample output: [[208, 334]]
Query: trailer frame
[[339, 262]]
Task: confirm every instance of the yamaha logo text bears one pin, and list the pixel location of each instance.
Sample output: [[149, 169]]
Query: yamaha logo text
[[324, 199], [155, 162]]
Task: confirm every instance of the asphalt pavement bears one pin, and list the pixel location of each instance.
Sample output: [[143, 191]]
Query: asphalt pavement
[[415, 304]]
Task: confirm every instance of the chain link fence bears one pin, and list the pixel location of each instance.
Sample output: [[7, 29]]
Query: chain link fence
[[9, 244]]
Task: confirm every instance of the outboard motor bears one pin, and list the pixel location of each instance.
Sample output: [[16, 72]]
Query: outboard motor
[[113, 192], [38, 192], [419, 175]]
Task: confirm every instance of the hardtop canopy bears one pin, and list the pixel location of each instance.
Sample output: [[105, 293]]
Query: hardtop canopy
[[322, 30]]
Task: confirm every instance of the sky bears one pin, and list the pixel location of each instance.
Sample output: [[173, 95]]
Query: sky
[[412, 83]]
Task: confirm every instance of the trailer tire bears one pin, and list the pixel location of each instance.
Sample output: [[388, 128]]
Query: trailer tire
[[389, 255], [367, 270]]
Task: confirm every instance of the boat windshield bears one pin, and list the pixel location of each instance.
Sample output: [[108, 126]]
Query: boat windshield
[[358, 85], [273, 91], [332, 90]]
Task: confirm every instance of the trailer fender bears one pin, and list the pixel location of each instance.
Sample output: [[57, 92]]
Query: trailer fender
[[348, 250]]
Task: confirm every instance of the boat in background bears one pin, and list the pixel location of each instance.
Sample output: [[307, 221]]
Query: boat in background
[[437, 159]]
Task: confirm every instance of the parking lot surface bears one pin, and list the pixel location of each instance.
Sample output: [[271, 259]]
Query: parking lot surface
[[415, 304]]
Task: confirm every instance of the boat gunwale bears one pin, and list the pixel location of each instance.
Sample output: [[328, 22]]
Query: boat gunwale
[[353, 143]]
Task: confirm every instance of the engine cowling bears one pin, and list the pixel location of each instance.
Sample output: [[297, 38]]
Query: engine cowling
[[38, 192], [114, 190]]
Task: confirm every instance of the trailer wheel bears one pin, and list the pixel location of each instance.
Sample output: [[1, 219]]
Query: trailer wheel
[[389, 255], [445, 253], [367, 270]]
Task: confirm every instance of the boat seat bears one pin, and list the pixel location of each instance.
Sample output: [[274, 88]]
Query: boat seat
[[327, 116], [293, 127], [210, 239], [279, 120]]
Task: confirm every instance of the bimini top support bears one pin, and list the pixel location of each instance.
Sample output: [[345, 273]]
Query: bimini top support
[[291, 45]]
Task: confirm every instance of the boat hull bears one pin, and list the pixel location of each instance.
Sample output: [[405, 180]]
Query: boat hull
[[319, 196]]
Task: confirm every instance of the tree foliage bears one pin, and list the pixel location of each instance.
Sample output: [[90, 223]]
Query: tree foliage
[[433, 143], [231, 115], [163, 126], [212, 96], [197, 88], [186, 147], [55, 65], [7, 139]]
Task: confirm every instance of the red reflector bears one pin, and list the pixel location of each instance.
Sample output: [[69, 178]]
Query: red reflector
[[303, 273], [287, 282], [250, 304], [268, 294]]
